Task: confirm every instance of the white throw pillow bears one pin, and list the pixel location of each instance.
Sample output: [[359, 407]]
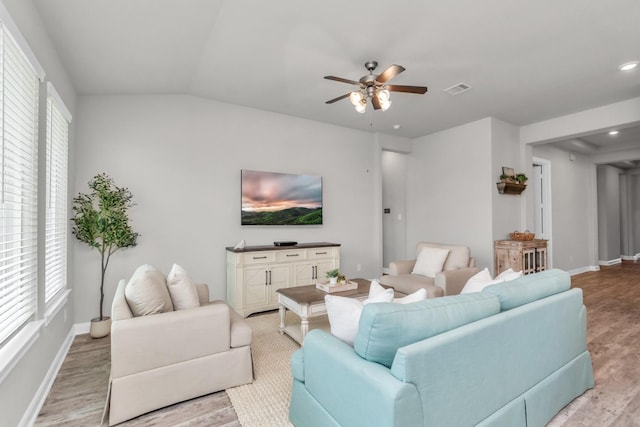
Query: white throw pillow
[[508, 274], [378, 293], [478, 282], [344, 313], [418, 295], [183, 291], [146, 292], [430, 261]]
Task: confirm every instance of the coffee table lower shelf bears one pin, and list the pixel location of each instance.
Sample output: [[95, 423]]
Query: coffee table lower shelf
[[292, 327]]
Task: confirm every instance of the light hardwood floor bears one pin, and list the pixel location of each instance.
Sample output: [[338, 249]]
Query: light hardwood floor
[[612, 298]]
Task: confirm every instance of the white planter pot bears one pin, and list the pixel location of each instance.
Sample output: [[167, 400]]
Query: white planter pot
[[333, 280], [100, 328]]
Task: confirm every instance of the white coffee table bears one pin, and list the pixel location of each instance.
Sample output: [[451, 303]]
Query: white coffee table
[[308, 304]]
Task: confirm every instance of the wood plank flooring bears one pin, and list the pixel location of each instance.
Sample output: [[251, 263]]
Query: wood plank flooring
[[612, 298]]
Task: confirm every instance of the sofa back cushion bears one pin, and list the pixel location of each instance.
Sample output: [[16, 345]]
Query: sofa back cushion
[[458, 257], [386, 327], [147, 293], [529, 288]]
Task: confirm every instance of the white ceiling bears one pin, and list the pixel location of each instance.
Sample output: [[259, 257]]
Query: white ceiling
[[526, 60]]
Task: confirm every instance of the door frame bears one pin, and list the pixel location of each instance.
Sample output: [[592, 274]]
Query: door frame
[[546, 202]]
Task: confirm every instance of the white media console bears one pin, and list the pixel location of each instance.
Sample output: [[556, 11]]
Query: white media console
[[254, 273]]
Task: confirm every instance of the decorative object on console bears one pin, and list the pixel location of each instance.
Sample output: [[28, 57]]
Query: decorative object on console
[[270, 198], [241, 244], [522, 236], [101, 220]]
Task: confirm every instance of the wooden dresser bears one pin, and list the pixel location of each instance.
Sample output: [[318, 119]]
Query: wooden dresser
[[529, 256]]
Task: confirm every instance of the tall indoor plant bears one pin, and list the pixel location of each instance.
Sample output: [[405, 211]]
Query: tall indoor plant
[[101, 220]]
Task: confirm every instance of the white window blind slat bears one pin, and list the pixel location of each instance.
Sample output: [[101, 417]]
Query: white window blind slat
[[19, 90], [56, 213]]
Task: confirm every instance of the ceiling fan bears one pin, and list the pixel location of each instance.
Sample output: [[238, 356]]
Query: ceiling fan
[[375, 87]]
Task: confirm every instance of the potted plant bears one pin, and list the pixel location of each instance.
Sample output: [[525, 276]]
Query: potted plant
[[521, 178], [101, 220], [333, 276]]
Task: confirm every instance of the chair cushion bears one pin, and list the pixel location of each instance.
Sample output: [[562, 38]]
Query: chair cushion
[[146, 292], [430, 261], [384, 328], [459, 256], [182, 290]]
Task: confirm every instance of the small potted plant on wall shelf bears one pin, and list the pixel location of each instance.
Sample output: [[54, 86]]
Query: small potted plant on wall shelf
[[101, 220], [333, 276], [521, 178]]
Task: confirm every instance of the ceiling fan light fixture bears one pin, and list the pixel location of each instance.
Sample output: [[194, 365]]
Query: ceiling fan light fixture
[[628, 66], [362, 107], [383, 95], [356, 98]]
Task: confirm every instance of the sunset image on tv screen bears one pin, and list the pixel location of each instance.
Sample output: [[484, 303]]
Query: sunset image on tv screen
[[270, 198]]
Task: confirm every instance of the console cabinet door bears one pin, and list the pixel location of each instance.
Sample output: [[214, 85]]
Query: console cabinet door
[[256, 289], [303, 273], [322, 266], [278, 278]]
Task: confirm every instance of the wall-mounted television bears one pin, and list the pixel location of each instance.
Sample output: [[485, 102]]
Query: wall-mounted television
[[271, 198]]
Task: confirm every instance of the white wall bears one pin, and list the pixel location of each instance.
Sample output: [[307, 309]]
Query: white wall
[[572, 189], [21, 391], [505, 151], [181, 157], [609, 230], [450, 190]]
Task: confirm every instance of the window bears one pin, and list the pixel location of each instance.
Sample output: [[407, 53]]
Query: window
[[57, 142], [19, 85]]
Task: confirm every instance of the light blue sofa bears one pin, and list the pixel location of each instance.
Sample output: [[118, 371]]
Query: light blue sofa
[[512, 355]]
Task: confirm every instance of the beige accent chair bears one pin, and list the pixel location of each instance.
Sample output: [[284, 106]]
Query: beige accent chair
[[458, 267], [161, 359]]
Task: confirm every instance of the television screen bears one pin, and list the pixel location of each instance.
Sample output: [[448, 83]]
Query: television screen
[[270, 198]]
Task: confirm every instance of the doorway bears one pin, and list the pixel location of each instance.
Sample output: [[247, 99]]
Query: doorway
[[541, 188], [394, 202]]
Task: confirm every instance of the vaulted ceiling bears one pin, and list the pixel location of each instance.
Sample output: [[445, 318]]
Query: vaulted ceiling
[[525, 60]]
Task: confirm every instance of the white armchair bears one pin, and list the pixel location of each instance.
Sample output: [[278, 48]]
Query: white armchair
[[161, 359], [458, 267]]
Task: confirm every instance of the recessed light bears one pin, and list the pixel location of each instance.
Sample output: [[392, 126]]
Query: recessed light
[[628, 66], [613, 132], [396, 127]]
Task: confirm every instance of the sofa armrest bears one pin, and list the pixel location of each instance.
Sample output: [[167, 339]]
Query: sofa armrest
[[452, 281], [148, 342], [397, 268], [354, 391]]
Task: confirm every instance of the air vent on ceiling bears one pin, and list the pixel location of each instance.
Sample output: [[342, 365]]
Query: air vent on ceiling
[[457, 89]]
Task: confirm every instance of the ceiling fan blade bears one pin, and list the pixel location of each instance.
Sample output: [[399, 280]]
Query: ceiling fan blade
[[340, 79], [331, 101], [376, 103], [390, 73], [406, 89]]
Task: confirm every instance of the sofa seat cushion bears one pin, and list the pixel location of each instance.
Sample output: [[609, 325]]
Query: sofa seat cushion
[[410, 283], [146, 292], [384, 328], [529, 288]]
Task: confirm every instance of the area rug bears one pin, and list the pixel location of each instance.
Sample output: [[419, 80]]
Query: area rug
[[265, 402]]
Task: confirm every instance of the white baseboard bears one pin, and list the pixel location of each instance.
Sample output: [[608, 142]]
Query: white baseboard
[[81, 328], [31, 414], [584, 270], [631, 257], [610, 262]]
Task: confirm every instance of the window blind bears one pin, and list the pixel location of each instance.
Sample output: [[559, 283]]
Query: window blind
[[57, 142], [19, 85]]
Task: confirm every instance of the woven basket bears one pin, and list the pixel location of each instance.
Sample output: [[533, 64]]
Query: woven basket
[[522, 236]]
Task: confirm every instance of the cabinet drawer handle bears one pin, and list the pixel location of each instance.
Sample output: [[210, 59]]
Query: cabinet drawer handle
[[321, 253], [259, 257], [293, 254]]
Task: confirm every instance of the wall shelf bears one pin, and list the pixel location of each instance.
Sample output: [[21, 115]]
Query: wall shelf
[[510, 187]]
